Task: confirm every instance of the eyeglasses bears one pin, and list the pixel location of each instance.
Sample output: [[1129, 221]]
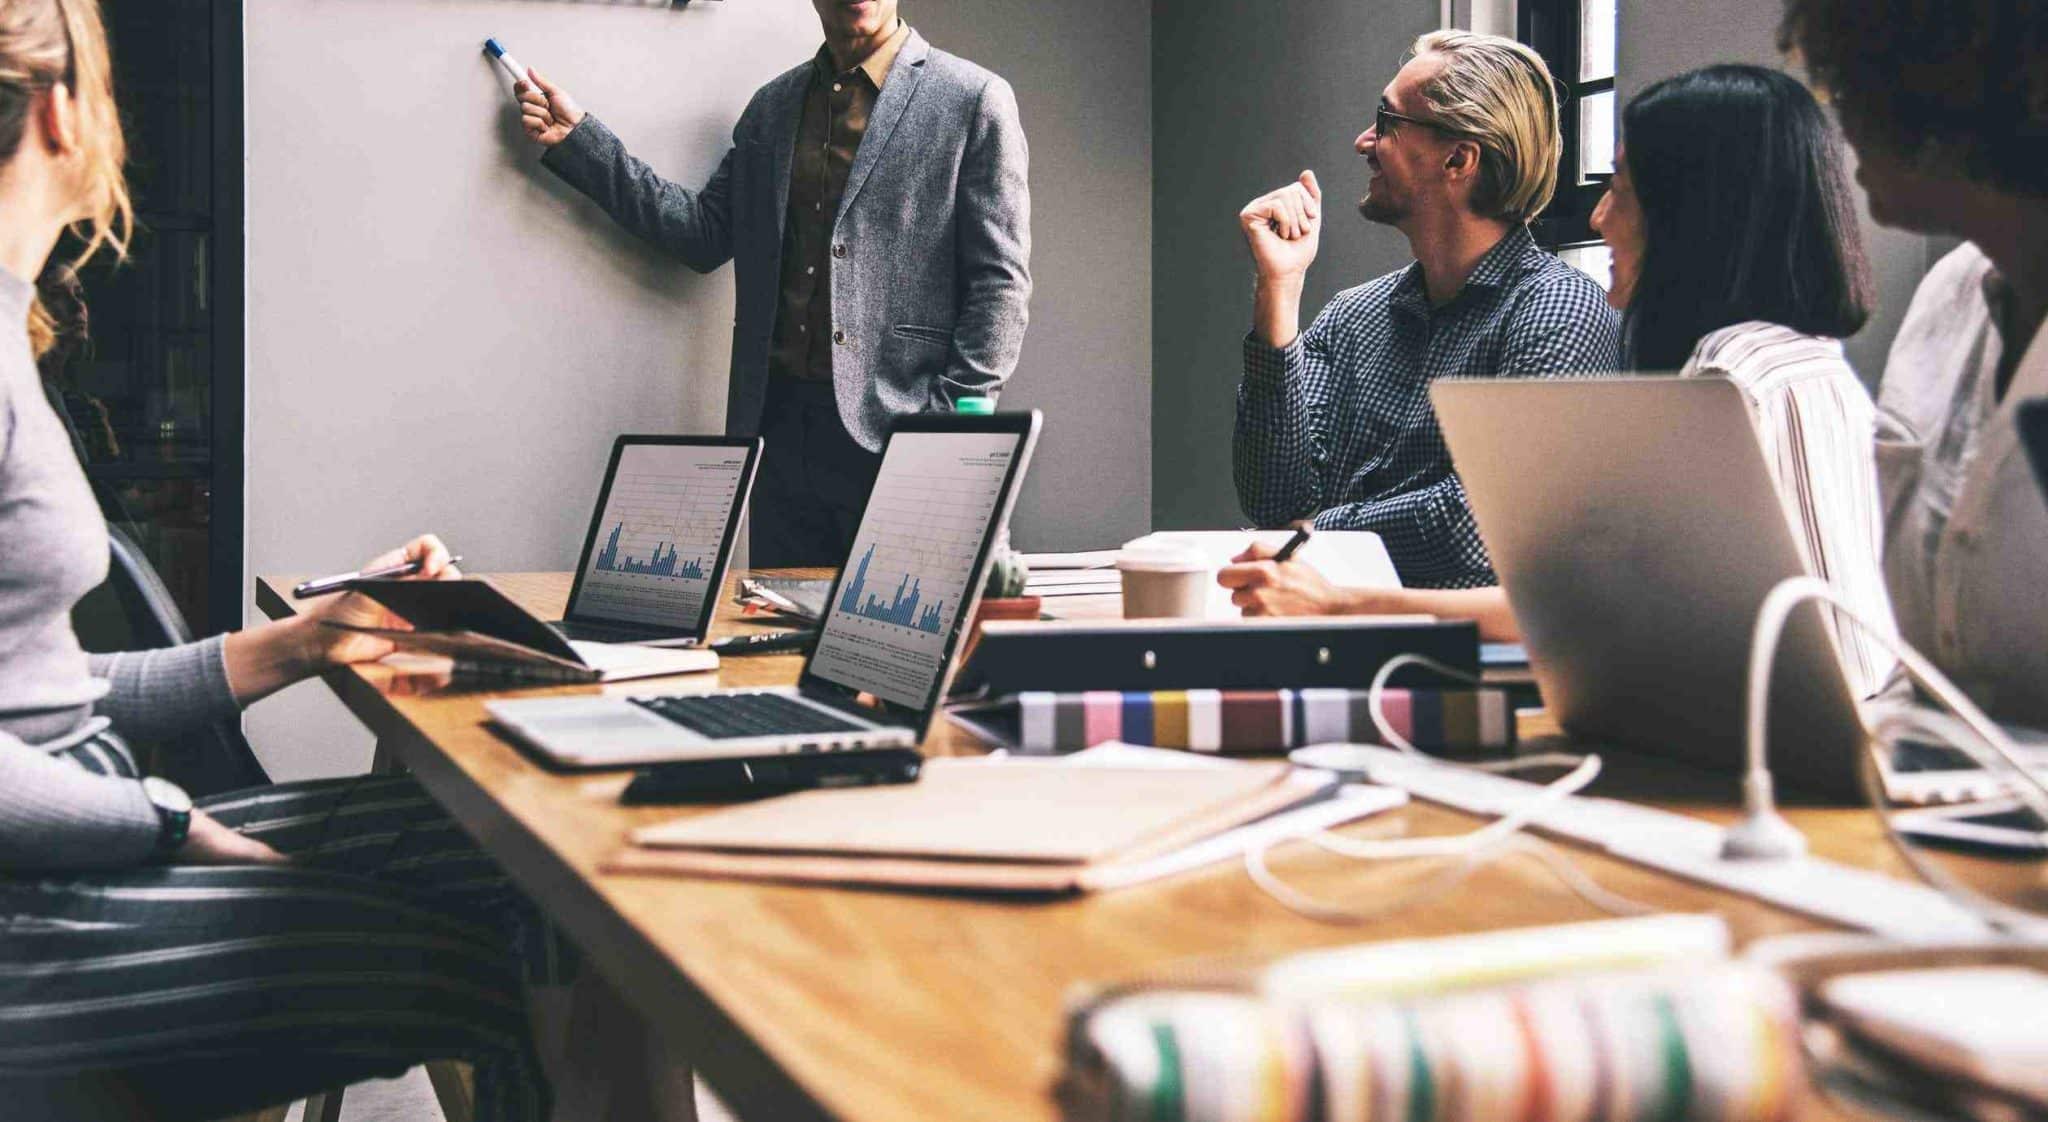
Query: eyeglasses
[[1384, 114]]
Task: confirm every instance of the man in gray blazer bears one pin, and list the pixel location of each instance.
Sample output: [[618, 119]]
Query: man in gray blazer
[[875, 209]]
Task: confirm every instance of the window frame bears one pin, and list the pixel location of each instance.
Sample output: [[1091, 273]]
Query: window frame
[[1552, 28]]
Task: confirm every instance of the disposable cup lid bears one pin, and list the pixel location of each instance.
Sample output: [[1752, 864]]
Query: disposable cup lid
[[1161, 559]]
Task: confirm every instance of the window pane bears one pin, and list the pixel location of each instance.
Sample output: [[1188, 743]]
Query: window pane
[[1596, 39], [1596, 261], [1596, 135]]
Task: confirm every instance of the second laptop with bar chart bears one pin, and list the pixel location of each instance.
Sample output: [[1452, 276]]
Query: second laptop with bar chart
[[654, 557], [891, 635]]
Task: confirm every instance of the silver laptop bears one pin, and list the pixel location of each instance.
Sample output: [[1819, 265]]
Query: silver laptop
[[892, 630], [659, 539], [1635, 526]]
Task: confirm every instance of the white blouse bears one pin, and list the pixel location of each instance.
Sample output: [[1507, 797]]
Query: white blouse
[[1966, 526], [1816, 423]]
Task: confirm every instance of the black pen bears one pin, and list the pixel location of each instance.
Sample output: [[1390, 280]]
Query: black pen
[[321, 586], [1293, 543]]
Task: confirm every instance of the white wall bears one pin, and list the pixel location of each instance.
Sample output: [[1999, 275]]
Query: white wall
[[442, 336]]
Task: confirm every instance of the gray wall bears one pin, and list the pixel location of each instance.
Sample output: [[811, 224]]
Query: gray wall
[[1662, 39], [1082, 71], [443, 337], [1244, 98]]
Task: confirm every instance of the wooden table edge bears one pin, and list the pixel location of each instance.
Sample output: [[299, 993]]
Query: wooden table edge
[[744, 1076]]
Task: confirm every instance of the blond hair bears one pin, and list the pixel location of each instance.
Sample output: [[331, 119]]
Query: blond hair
[[1499, 93], [50, 43]]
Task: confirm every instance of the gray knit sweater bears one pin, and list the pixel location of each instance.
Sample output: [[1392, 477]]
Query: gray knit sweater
[[53, 549]]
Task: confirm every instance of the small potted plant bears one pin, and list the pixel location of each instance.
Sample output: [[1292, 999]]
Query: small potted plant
[[1003, 596]]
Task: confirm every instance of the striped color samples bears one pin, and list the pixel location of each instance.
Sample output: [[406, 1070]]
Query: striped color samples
[[1713, 1044], [1452, 720]]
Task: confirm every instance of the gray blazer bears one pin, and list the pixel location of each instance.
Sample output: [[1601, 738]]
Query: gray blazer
[[930, 249]]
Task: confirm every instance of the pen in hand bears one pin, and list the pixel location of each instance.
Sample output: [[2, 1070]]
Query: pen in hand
[[321, 586], [1293, 543]]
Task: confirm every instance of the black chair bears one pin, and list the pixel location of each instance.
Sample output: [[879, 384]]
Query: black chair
[[133, 611]]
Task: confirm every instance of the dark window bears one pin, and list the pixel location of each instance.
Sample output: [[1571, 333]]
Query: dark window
[[1577, 39], [155, 396]]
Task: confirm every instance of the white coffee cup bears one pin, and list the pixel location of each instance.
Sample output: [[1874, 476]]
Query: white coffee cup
[[1164, 581]]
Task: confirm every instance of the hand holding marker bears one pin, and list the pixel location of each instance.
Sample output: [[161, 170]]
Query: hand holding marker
[[546, 112]]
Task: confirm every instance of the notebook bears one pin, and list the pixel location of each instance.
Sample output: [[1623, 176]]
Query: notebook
[[982, 825], [486, 632]]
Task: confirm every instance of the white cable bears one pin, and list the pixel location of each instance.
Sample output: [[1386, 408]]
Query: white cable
[[1549, 856], [1459, 845], [1379, 687], [1467, 852], [1984, 742]]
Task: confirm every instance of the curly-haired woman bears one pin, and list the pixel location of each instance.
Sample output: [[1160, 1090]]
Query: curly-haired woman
[[1947, 107]]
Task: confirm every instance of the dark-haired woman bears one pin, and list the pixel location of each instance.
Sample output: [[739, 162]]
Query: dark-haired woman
[[1735, 255]]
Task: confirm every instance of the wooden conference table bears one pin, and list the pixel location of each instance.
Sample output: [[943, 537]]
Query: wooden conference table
[[814, 1003]]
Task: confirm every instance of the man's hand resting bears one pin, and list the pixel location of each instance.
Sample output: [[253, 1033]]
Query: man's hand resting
[[546, 110]]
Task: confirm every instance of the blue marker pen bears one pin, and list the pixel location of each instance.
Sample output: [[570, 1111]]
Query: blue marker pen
[[504, 58]]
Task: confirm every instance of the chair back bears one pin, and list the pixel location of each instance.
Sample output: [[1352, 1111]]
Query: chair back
[[134, 611]]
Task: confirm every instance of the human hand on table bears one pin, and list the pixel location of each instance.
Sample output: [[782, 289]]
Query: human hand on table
[[1263, 587]]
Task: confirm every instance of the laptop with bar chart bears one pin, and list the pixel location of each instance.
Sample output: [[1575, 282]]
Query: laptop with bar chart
[[893, 624], [663, 530]]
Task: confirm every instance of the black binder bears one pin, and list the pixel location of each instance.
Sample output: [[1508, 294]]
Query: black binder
[[1248, 654]]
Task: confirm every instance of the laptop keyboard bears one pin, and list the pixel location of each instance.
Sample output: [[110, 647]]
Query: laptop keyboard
[[730, 716]]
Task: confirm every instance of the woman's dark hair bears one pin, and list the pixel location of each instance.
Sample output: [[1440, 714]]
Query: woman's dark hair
[[1746, 213], [1959, 84]]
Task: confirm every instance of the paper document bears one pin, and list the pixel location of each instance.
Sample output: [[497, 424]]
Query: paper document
[[1353, 558], [1085, 559]]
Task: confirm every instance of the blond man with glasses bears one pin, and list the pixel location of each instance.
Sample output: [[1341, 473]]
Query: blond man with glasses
[[1334, 423]]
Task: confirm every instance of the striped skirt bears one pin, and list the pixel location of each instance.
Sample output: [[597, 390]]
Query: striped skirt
[[171, 991]]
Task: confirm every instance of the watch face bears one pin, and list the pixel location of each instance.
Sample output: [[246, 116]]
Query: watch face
[[166, 795]]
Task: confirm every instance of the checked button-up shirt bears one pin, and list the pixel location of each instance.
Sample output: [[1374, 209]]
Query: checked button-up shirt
[[1337, 426]]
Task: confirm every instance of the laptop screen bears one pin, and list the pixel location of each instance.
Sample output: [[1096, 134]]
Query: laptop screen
[[894, 615], [663, 527]]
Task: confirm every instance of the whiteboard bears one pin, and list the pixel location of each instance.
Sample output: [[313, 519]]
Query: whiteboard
[[441, 334]]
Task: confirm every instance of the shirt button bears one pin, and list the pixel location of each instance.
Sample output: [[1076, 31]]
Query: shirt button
[[817, 206], [836, 87], [839, 250], [809, 269], [839, 337], [801, 327]]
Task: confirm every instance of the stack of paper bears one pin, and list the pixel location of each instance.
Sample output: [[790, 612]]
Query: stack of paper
[[1073, 582]]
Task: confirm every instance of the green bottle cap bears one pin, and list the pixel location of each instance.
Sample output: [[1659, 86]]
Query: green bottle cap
[[974, 406]]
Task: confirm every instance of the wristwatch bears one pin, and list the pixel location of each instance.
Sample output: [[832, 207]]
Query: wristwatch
[[173, 813]]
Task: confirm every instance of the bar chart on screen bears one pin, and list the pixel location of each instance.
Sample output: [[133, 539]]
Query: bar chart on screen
[[663, 523], [907, 578]]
